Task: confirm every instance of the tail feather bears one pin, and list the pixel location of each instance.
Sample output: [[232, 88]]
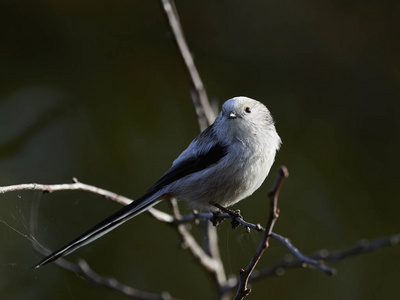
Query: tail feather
[[124, 214]]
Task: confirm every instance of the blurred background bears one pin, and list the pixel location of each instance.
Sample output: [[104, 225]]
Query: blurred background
[[97, 90]]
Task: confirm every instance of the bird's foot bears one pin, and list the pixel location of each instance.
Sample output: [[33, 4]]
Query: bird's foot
[[216, 218], [234, 215]]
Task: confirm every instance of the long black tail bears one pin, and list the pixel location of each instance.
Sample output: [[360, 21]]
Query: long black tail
[[127, 212]]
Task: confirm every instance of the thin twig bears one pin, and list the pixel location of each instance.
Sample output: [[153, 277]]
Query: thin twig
[[82, 268], [244, 275], [199, 95], [114, 284], [305, 261], [188, 242], [75, 186], [208, 256]]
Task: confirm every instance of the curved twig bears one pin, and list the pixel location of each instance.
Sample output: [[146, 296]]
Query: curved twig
[[244, 275], [199, 96]]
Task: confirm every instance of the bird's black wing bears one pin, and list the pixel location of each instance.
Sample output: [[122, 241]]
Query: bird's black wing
[[191, 165]]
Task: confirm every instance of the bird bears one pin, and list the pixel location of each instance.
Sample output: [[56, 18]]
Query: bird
[[223, 165]]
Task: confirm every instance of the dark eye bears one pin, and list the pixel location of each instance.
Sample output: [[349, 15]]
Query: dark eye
[[247, 109]]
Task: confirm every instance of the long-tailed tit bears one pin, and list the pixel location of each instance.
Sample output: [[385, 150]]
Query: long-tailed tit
[[224, 164]]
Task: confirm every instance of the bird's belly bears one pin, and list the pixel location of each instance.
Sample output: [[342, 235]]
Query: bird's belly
[[225, 186]]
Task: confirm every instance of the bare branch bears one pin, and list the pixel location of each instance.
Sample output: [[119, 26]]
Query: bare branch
[[116, 285], [302, 258], [244, 275], [82, 268], [199, 96], [190, 243], [75, 186], [208, 256]]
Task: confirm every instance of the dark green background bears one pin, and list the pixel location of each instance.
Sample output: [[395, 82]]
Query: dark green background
[[97, 90]]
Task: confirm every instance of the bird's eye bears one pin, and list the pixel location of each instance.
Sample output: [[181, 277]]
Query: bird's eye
[[247, 109]]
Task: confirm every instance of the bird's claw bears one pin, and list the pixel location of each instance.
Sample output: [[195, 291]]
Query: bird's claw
[[235, 216], [216, 218]]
